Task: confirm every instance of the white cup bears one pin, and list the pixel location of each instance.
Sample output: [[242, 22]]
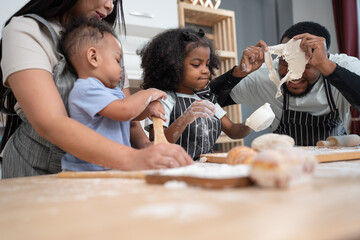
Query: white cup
[[261, 118]]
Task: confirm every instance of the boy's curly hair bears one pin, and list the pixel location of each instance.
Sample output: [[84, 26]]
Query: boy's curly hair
[[162, 59], [78, 33]]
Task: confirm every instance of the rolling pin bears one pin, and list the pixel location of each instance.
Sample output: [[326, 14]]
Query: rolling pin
[[350, 140], [103, 174], [158, 131]]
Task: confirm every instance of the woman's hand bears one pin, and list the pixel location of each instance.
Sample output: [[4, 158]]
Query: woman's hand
[[162, 155], [251, 60]]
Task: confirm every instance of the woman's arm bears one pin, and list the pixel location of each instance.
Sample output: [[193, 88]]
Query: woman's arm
[[44, 108]]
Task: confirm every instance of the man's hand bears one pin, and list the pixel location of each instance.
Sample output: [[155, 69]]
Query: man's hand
[[316, 52], [251, 60]]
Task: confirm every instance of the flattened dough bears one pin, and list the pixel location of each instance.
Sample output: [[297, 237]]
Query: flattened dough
[[271, 141], [293, 55]]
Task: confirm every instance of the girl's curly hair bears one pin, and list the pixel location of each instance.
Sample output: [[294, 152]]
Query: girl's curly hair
[[162, 59]]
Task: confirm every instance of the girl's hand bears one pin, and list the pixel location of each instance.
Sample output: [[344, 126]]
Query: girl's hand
[[200, 108], [251, 60]]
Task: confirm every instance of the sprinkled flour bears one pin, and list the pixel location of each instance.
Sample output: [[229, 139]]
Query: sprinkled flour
[[208, 170], [175, 184], [178, 212]]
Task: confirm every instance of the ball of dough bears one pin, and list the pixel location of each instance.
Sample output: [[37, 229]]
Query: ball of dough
[[271, 141], [240, 155], [282, 167]]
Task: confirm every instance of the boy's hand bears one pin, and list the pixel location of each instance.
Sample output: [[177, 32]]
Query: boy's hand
[[156, 109], [155, 94], [200, 108]]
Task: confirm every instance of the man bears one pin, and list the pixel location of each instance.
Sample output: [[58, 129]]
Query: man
[[311, 108]]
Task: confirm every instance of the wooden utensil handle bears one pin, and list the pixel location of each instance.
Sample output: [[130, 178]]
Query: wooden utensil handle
[[325, 143], [158, 131], [101, 174]]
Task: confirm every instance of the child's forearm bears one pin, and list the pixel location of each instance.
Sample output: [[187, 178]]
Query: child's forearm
[[237, 131], [140, 117], [127, 109], [137, 103], [138, 137], [175, 130]]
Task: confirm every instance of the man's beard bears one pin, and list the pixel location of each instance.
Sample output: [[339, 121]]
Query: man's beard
[[300, 95]]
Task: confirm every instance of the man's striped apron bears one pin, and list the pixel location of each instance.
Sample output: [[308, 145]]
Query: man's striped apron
[[307, 129]]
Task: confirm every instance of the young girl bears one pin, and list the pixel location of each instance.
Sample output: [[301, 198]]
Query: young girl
[[181, 62]]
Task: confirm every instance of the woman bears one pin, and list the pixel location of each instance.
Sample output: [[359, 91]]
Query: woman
[[28, 60]]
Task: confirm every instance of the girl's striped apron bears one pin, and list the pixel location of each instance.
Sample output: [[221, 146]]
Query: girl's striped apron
[[200, 136], [307, 129]]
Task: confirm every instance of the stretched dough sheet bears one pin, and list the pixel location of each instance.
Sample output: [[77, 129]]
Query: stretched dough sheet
[[293, 55]]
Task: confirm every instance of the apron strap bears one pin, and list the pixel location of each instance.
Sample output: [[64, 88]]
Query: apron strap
[[329, 96], [54, 35]]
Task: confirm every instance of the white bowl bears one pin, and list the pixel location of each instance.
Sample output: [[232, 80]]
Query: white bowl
[[261, 119]]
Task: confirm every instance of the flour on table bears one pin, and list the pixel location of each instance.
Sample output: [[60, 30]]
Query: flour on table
[[293, 55], [338, 169], [175, 184], [178, 212], [208, 170]]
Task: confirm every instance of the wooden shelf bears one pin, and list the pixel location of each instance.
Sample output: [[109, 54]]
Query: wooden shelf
[[200, 15], [223, 33]]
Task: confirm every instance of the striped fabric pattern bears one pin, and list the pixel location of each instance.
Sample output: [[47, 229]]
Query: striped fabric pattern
[[200, 136], [307, 129]]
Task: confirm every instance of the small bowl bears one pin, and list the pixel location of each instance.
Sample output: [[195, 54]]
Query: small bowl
[[261, 119]]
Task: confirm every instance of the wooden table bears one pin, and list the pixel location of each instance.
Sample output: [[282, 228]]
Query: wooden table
[[47, 207]]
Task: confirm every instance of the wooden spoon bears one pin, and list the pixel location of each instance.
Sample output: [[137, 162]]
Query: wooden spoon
[[158, 131]]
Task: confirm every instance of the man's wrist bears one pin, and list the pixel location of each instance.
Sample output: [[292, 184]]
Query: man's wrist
[[327, 68], [238, 73]]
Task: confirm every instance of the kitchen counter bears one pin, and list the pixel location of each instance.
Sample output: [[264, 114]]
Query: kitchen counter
[[47, 207]]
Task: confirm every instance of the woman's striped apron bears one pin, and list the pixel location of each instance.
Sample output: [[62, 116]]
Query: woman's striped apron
[[26, 153]]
